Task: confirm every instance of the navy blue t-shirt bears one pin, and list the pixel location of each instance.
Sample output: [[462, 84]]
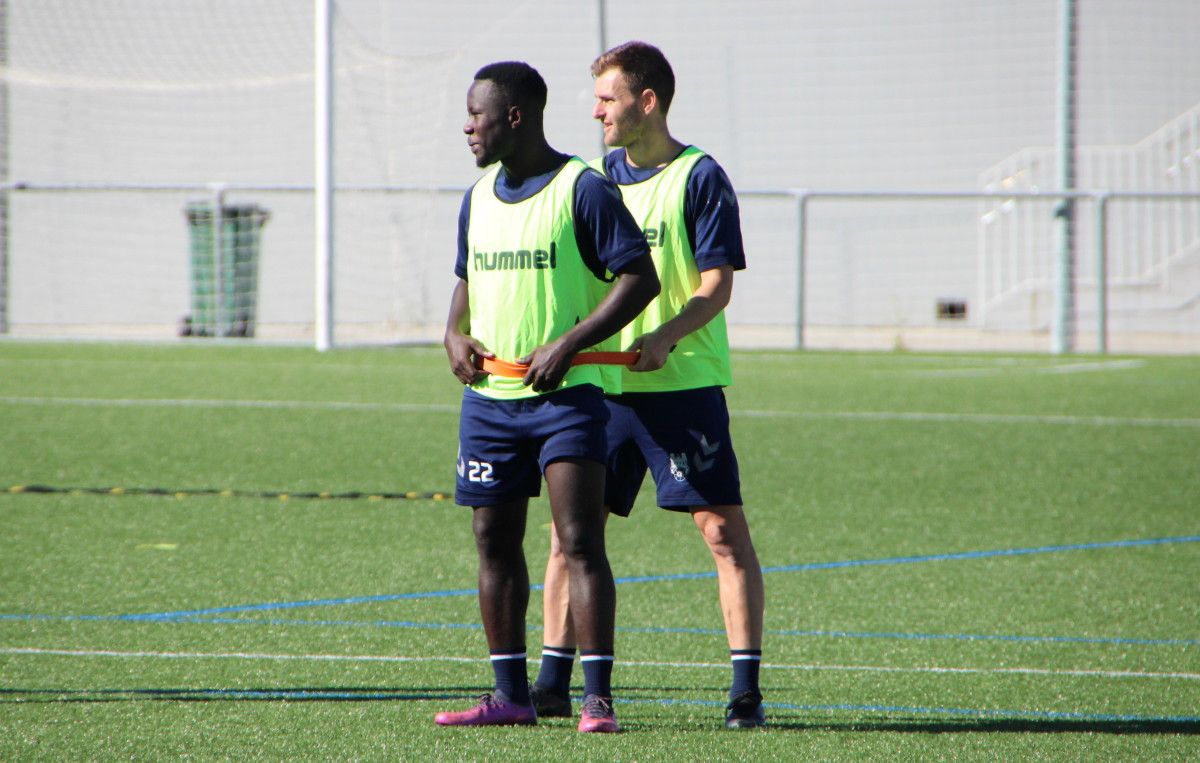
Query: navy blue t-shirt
[[710, 209], [607, 235]]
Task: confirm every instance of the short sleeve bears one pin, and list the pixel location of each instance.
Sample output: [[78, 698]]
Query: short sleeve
[[713, 218], [608, 236]]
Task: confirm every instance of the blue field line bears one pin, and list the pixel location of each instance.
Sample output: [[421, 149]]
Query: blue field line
[[996, 714], [205, 620], [412, 624], [1117, 641], [236, 694], [986, 637], [984, 554], [300, 604], [893, 560]]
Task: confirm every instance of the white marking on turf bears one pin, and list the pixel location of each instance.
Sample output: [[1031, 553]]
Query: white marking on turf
[[977, 418], [227, 655], [1074, 672], [202, 403], [1062, 368], [933, 669]]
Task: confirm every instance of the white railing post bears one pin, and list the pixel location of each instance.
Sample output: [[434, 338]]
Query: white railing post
[[323, 171], [1100, 202], [801, 256], [1064, 316]]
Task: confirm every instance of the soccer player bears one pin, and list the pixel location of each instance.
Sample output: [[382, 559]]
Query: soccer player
[[671, 417], [550, 262]]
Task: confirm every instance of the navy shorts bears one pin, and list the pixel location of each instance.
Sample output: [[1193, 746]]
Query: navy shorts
[[505, 445], [682, 438]]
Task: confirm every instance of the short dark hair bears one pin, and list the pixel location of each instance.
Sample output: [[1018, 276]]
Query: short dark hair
[[645, 66], [518, 81]]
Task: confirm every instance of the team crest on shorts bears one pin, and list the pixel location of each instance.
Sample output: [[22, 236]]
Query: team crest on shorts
[[679, 466]]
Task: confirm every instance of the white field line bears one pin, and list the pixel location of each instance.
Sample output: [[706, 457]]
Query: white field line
[[37, 651], [332, 405], [1065, 368], [228, 655], [974, 418], [209, 365]]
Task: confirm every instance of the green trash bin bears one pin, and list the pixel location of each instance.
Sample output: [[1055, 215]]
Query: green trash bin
[[228, 308]]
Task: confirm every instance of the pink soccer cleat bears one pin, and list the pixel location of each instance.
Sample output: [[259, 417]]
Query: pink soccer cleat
[[598, 715], [491, 711]]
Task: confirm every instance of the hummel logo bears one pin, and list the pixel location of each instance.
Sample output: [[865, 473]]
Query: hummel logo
[[519, 259], [703, 465]]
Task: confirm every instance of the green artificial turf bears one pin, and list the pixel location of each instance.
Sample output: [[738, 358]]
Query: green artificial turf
[[967, 557]]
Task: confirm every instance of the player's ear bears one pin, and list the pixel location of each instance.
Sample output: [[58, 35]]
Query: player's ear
[[514, 116], [649, 100]]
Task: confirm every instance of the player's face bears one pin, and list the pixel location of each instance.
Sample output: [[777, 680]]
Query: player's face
[[487, 128], [618, 109]]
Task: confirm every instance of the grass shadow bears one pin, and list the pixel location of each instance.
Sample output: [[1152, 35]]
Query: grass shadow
[[1118, 726]]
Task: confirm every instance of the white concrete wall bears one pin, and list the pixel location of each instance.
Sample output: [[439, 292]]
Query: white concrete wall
[[918, 95]]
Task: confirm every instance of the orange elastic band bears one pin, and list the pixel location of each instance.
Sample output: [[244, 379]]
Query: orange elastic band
[[518, 370]]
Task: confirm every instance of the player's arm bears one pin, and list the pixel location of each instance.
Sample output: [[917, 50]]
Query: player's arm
[[460, 346], [636, 285], [611, 240], [706, 303], [714, 229]]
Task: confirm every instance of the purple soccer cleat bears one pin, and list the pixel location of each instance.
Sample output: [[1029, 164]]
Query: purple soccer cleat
[[598, 715], [491, 711]]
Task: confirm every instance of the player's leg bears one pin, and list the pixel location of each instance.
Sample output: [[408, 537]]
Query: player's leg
[[496, 476], [576, 487], [739, 576], [503, 582], [503, 601], [551, 692], [555, 596], [740, 589], [625, 473], [688, 446]]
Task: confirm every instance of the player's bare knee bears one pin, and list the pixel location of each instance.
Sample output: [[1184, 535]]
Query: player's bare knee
[[497, 540], [726, 537], [581, 550]]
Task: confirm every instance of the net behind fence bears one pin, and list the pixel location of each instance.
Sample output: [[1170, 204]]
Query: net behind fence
[[120, 117]]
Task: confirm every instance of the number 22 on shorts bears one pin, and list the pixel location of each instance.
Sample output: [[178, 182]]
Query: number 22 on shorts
[[474, 471]]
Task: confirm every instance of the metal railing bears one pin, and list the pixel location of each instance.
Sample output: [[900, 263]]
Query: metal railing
[[1100, 199], [802, 199]]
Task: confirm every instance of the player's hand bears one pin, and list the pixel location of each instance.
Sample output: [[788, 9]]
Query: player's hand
[[462, 349], [653, 348], [548, 365]]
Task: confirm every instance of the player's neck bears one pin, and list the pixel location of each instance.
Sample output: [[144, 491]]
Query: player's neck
[[537, 159], [655, 148]]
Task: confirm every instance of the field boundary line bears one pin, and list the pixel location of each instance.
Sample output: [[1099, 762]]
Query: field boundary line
[[140, 654], [966, 712], [335, 405], [998, 369], [994, 553], [929, 416], [970, 418], [955, 556], [265, 656], [533, 627]]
